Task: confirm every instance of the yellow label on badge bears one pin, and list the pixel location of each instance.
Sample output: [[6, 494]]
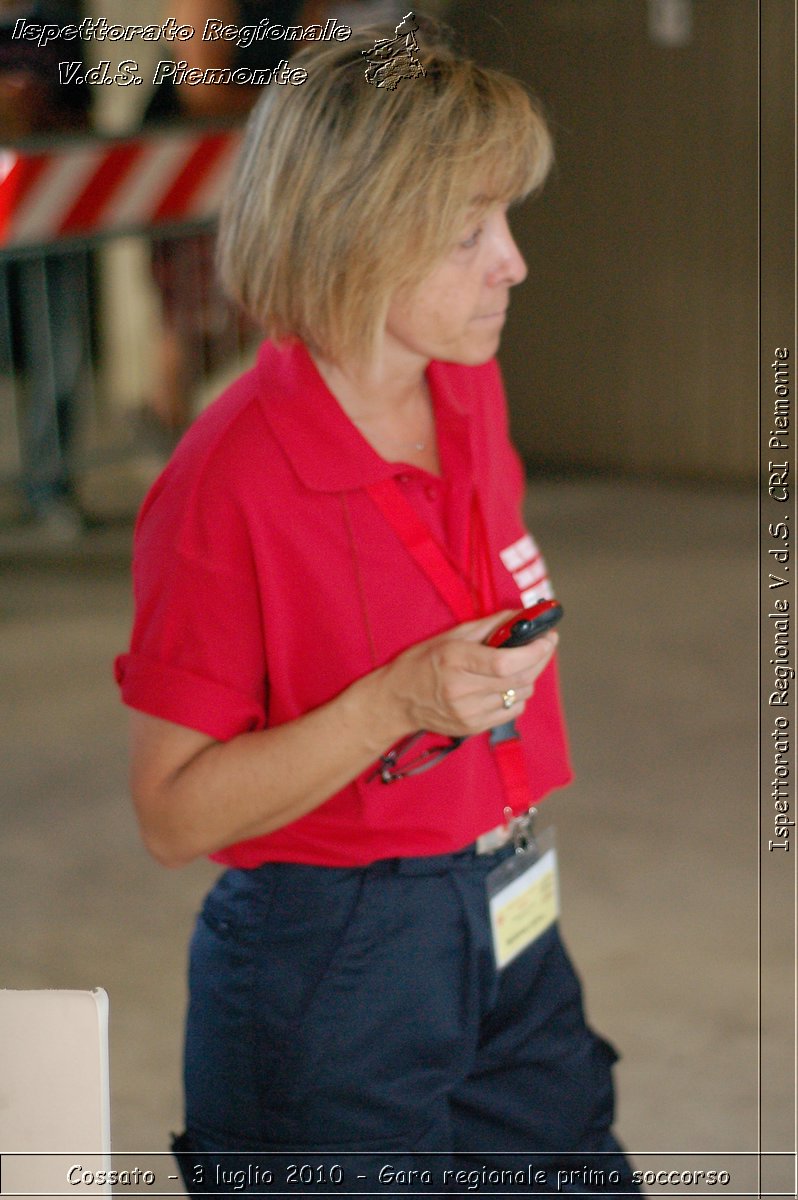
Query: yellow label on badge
[[524, 909]]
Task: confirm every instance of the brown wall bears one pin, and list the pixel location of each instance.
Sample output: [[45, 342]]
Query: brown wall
[[632, 346]]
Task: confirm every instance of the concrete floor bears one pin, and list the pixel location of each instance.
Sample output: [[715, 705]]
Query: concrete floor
[[658, 838]]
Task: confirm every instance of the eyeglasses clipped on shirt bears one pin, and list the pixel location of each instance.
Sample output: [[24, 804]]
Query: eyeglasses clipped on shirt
[[400, 762]]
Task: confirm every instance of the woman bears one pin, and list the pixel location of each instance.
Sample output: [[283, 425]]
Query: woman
[[316, 573]]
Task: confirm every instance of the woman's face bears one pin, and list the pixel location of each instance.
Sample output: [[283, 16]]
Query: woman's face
[[457, 313]]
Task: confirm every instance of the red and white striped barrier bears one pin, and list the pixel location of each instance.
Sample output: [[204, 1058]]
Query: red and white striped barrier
[[84, 188]]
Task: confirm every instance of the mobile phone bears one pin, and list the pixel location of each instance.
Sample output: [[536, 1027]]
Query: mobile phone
[[527, 624]]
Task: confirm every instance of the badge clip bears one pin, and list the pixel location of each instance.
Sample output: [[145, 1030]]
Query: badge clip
[[522, 829]]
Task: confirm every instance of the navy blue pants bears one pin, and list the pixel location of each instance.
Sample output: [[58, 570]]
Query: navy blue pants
[[348, 1022]]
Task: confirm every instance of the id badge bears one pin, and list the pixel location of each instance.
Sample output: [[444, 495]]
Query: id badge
[[523, 898]]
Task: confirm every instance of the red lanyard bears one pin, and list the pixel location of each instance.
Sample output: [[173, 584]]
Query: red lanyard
[[466, 599]]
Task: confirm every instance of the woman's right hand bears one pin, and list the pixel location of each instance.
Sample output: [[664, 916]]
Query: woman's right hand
[[453, 684]]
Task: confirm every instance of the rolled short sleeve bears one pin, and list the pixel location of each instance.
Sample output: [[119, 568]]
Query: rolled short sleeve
[[197, 654]]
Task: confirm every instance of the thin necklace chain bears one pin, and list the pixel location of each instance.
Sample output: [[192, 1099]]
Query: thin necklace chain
[[419, 444]]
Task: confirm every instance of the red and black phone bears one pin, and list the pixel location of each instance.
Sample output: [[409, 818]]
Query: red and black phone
[[526, 625]]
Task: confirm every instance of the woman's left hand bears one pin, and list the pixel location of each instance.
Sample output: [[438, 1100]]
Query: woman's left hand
[[455, 685]]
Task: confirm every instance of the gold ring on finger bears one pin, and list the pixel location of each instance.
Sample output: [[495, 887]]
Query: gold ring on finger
[[508, 698]]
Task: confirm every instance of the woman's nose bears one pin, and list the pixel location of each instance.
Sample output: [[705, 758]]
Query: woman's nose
[[509, 266]]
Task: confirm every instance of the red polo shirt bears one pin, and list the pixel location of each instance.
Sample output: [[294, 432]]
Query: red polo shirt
[[267, 580]]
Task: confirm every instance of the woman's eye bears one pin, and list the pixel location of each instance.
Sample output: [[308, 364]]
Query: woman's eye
[[472, 239]]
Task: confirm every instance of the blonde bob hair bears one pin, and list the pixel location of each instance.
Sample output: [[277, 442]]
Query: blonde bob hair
[[346, 193]]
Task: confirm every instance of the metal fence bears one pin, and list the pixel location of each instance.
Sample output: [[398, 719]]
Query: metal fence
[[113, 329]]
